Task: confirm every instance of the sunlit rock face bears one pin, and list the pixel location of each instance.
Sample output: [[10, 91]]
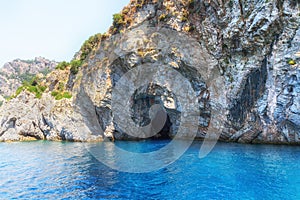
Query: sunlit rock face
[[222, 70], [152, 51]]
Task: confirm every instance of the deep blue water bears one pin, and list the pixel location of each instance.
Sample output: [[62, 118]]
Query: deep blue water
[[54, 170]]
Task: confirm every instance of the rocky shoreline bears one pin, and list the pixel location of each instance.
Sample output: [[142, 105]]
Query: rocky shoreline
[[241, 59]]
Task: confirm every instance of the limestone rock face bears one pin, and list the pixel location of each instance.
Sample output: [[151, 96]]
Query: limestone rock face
[[221, 70], [28, 118]]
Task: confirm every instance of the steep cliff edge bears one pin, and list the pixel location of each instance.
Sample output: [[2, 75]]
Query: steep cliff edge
[[239, 57]]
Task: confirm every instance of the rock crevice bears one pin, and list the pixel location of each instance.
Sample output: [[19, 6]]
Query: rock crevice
[[238, 57]]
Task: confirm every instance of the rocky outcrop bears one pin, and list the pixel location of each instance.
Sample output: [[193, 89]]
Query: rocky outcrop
[[28, 118], [13, 73], [227, 69]]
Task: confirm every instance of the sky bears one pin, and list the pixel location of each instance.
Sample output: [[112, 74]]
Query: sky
[[54, 29]]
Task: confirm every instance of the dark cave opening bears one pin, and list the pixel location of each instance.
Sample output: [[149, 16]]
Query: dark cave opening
[[164, 133], [141, 115]]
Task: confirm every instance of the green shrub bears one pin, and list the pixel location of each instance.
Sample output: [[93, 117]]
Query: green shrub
[[19, 90], [37, 90], [38, 95], [67, 95], [62, 65], [59, 95], [32, 86], [8, 98], [89, 45], [118, 19], [32, 89], [75, 64], [74, 70], [125, 11], [54, 93], [42, 88]]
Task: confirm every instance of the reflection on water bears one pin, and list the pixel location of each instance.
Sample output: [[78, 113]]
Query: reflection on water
[[67, 170], [138, 157]]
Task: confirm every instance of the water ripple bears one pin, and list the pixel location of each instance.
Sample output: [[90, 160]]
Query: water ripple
[[50, 170]]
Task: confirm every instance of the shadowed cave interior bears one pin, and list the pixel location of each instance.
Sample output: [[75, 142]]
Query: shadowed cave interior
[[141, 106]]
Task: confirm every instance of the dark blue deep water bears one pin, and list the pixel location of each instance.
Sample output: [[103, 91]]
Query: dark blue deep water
[[54, 170]]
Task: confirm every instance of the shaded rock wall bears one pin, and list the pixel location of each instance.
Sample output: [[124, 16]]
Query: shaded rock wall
[[235, 56]]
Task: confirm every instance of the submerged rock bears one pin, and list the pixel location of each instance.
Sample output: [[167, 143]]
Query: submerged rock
[[218, 70]]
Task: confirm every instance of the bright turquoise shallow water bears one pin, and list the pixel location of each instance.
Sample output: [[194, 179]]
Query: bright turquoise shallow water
[[53, 170]]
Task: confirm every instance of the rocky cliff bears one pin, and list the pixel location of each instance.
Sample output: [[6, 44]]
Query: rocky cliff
[[14, 73], [227, 69]]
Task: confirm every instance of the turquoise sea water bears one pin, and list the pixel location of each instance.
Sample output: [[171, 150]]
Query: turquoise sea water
[[54, 170]]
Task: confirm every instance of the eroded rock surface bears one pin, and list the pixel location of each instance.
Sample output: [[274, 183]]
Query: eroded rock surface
[[236, 56]]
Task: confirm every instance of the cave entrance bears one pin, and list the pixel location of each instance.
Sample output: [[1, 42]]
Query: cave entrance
[[141, 109], [156, 106], [164, 133]]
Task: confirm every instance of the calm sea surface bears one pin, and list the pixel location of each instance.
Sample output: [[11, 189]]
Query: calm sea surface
[[54, 170]]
